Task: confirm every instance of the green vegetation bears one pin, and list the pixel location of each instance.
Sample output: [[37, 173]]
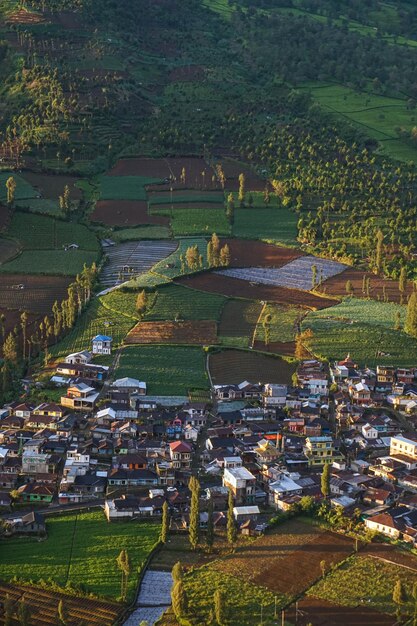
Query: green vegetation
[[271, 224], [187, 304], [194, 197], [38, 232], [80, 549], [363, 577], [243, 603], [238, 322], [363, 328], [197, 221], [141, 232], [124, 187], [54, 262], [171, 266], [97, 319], [167, 370], [23, 191], [282, 323]]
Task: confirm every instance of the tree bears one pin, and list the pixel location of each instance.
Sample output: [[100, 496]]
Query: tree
[[230, 209], [23, 614], [378, 251], [402, 282], [11, 189], [177, 572], [241, 196], [325, 481], [231, 524], [267, 198], [410, 325], [123, 563], [179, 600], [349, 287], [215, 242], [399, 596], [194, 528], [23, 324], [62, 613], [165, 522], [141, 302], [10, 353], [192, 256], [323, 568], [210, 525], [65, 202], [219, 607], [224, 257]]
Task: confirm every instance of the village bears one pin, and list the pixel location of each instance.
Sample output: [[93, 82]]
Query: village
[[108, 444]]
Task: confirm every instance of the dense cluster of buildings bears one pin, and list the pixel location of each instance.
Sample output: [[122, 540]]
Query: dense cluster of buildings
[[108, 441]]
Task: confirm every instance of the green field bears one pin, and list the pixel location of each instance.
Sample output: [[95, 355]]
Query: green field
[[363, 328], [243, 600], [188, 304], [53, 262], [215, 197], [171, 266], [39, 232], [82, 549], [274, 223], [167, 370], [238, 323], [190, 222], [24, 190], [97, 319], [378, 116], [363, 577], [124, 187], [141, 232], [282, 324]]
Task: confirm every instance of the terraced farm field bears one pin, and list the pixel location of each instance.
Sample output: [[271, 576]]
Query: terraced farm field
[[188, 332], [244, 253], [177, 302], [234, 366], [43, 605], [379, 287], [125, 213], [127, 260], [32, 293], [8, 249], [237, 288], [124, 187], [167, 370], [238, 322], [297, 274], [191, 222], [81, 548]]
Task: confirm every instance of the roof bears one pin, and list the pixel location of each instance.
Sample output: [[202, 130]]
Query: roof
[[102, 338], [128, 382], [180, 446], [246, 510]]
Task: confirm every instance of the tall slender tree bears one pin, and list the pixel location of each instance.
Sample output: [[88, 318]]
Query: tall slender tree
[[231, 524], [194, 528], [165, 522], [210, 525]]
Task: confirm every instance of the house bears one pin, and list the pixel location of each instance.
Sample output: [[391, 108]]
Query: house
[[80, 397], [360, 394], [101, 344], [369, 432], [245, 513], [282, 487], [37, 463], [86, 371], [31, 523], [128, 507], [318, 386], [129, 386], [132, 478], [36, 492], [23, 410], [274, 395], [320, 450], [79, 357], [404, 449], [398, 523], [242, 484], [180, 454], [385, 376]]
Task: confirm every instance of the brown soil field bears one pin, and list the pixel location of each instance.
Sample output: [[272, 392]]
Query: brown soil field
[[52, 186], [239, 318], [187, 332], [236, 288], [337, 286], [8, 249], [287, 559], [232, 170], [189, 205], [125, 213], [187, 73], [250, 253], [154, 168], [286, 348], [234, 366], [12, 321], [165, 195], [43, 607], [193, 168], [24, 17], [37, 296], [322, 613], [390, 553]]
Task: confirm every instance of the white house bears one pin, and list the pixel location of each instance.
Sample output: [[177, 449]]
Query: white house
[[130, 385], [82, 358], [369, 432], [318, 386], [274, 395], [284, 486], [101, 344]]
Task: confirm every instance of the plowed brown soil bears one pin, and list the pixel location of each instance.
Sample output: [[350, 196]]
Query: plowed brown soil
[[248, 253], [322, 613], [337, 286], [236, 288], [125, 213], [187, 332]]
